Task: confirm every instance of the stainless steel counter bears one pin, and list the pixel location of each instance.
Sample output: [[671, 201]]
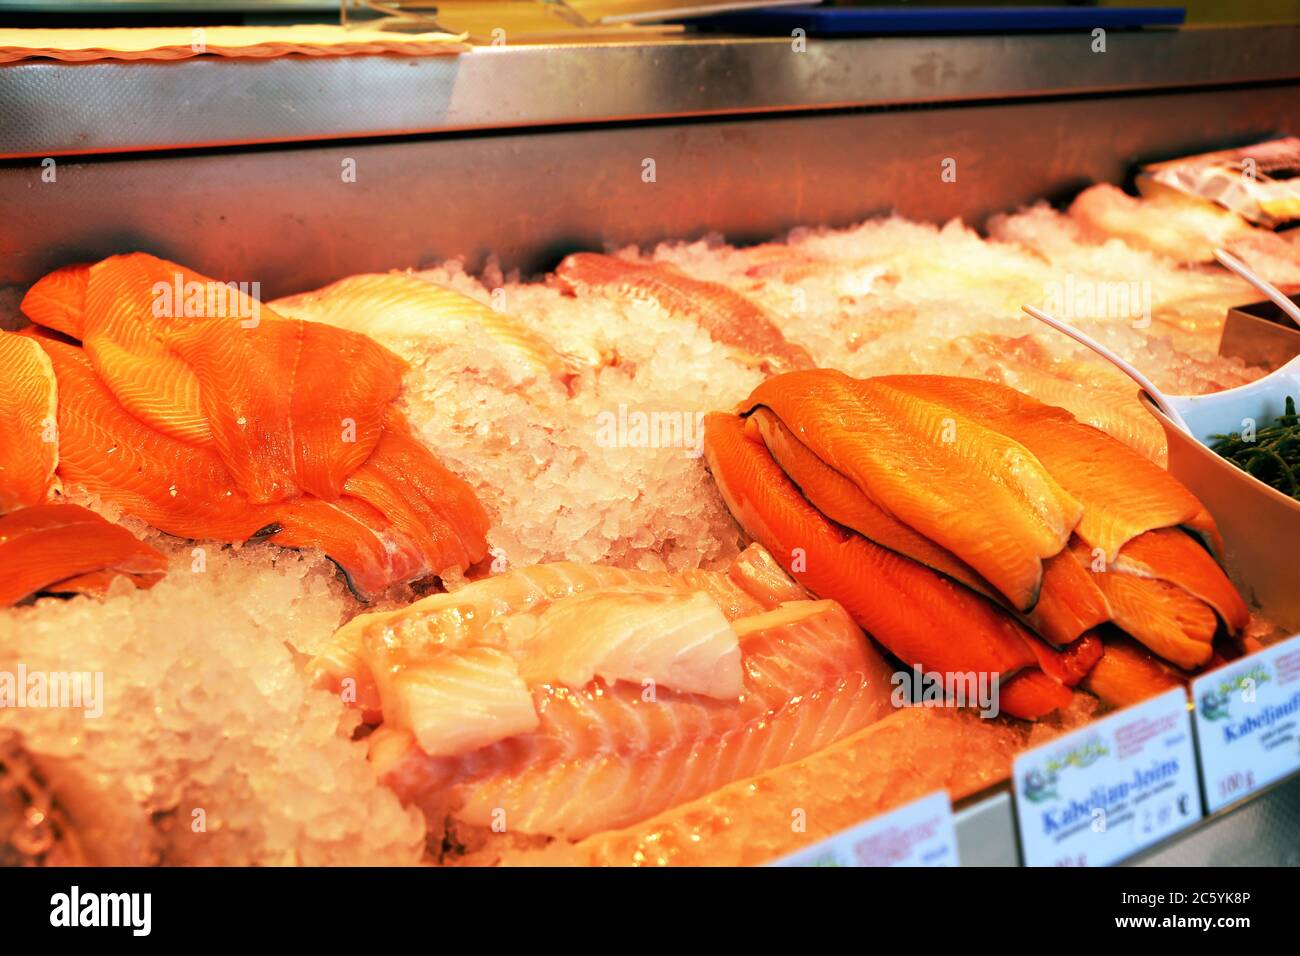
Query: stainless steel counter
[[52, 109]]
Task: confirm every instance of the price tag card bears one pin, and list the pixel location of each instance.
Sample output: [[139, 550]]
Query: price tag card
[[920, 833], [1108, 790], [1248, 722]]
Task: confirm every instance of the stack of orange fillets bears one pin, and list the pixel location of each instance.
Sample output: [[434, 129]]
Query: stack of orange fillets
[[969, 527]]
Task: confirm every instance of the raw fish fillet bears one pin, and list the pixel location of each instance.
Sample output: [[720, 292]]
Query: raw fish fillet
[[185, 490], [196, 409], [680, 641], [1122, 493], [1161, 616], [1172, 555], [69, 549], [178, 488], [1068, 604], [1032, 694], [460, 699], [421, 499], [747, 823], [58, 300], [294, 406], [1128, 673], [607, 755], [726, 315], [1090, 391], [922, 617], [1181, 227], [397, 305], [976, 493], [840, 500], [759, 574], [29, 449], [881, 492], [467, 616], [266, 392], [125, 339]]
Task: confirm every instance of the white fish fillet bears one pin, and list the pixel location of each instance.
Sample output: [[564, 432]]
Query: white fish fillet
[[679, 641]]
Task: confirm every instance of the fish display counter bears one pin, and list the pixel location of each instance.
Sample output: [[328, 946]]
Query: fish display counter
[[582, 453]]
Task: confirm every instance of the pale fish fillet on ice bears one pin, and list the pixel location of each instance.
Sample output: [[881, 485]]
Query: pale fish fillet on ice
[[398, 305], [901, 758], [469, 616], [1182, 228], [646, 693], [727, 316]]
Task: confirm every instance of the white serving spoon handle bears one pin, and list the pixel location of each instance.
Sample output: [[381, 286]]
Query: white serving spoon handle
[[1271, 292]]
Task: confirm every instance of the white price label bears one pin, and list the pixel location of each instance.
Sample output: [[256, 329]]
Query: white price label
[[921, 833], [1108, 790], [1248, 722]]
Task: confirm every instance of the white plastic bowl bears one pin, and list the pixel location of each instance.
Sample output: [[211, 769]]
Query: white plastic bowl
[[1260, 525]]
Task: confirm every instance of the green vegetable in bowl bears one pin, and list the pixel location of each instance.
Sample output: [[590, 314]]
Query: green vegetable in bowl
[[1274, 455]]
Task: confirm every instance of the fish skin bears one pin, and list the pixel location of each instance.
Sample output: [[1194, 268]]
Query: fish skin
[[967, 495], [58, 300], [809, 681], [1172, 555], [28, 413], [908, 608], [63, 544], [727, 316], [1084, 460], [401, 305]]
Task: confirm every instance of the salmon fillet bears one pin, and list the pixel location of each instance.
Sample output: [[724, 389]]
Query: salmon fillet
[[29, 453], [727, 316], [980, 495], [65, 548], [401, 305]]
